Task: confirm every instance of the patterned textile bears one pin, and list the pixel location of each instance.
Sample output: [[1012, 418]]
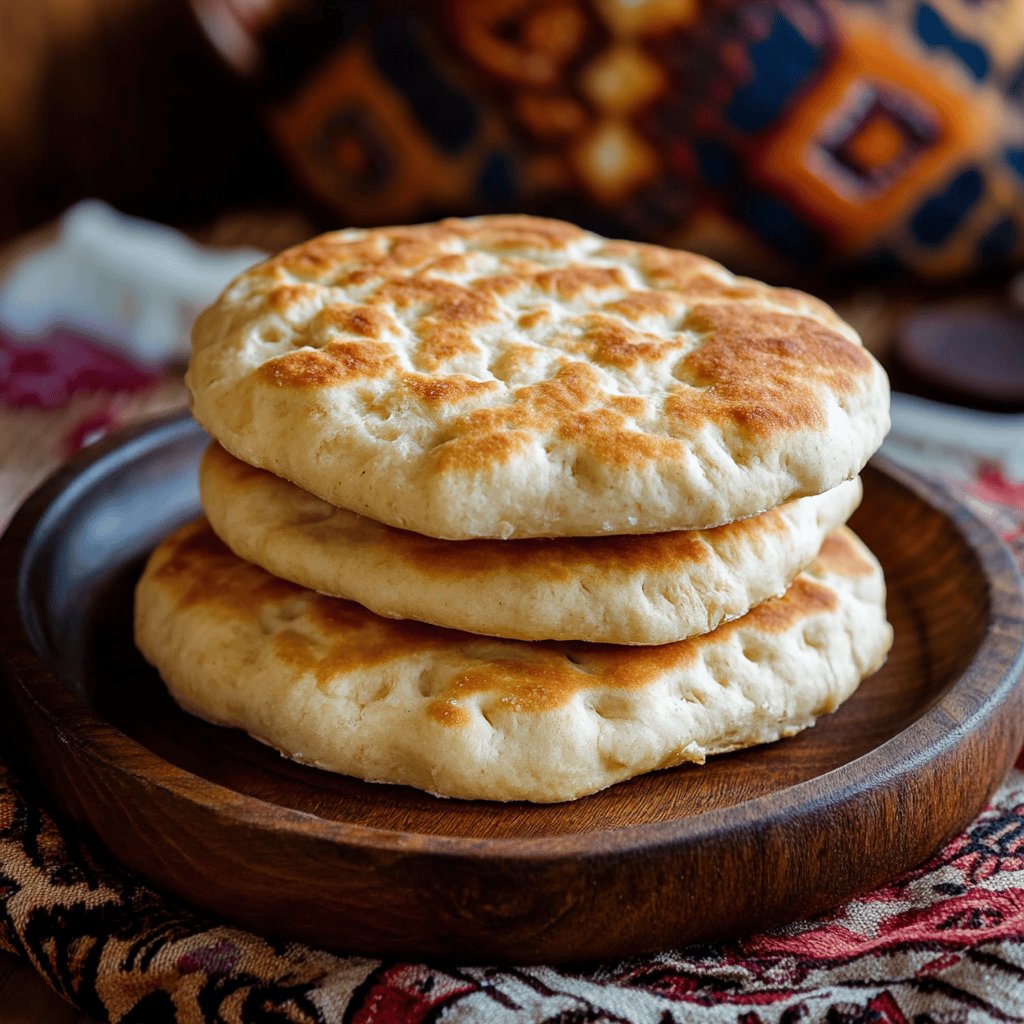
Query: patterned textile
[[878, 134], [47, 376], [942, 943]]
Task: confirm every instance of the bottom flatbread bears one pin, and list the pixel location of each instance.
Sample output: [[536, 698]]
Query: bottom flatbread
[[330, 684]]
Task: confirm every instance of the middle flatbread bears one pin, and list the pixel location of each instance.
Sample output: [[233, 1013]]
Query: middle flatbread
[[644, 589]]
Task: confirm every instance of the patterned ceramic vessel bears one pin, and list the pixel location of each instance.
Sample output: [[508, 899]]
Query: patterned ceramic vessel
[[881, 134]]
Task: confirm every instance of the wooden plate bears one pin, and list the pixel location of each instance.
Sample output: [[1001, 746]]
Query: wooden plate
[[751, 839]]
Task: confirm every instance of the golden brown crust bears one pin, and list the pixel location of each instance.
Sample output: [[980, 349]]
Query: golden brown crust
[[521, 365], [198, 571], [338, 362]]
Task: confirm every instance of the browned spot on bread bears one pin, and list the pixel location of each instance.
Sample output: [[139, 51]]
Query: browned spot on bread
[[783, 343], [533, 406], [533, 318], [577, 279], [707, 286], [446, 390], [317, 257], [356, 277], [516, 360], [440, 342], [364, 321], [411, 249], [198, 569], [840, 555], [573, 387], [362, 645], [447, 309], [762, 371], [636, 305], [549, 676], [449, 712], [353, 639], [481, 452], [286, 296], [620, 444], [505, 285], [450, 263], [629, 406], [338, 362], [664, 268], [610, 342], [804, 599]]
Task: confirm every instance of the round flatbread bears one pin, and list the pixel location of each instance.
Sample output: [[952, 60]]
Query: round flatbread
[[650, 589], [519, 377], [331, 684]]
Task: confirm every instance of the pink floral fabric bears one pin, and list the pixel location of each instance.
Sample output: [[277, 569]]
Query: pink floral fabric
[[46, 374]]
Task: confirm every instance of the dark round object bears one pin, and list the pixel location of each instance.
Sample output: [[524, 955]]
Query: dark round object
[[751, 839], [974, 356]]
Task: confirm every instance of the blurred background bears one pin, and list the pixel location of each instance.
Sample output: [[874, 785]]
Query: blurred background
[[871, 151], [125, 100], [879, 136]]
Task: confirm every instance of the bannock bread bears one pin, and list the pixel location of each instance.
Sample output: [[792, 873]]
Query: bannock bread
[[510, 376], [329, 683], [650, 589]]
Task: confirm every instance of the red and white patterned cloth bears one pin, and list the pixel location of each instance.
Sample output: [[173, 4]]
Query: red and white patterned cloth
[[942, 943]]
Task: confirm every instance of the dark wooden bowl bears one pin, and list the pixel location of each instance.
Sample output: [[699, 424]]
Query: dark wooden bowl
[[751, 839]]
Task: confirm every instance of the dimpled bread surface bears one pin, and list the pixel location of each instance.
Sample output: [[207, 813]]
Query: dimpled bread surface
[[329, 683], [650, 589], [511, 376]]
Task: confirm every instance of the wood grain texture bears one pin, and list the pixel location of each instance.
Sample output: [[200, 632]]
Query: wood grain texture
[[124, 100], [749, 840], [25, 999]]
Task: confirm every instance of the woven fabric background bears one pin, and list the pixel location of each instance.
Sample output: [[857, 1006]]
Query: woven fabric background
[[879, 135]]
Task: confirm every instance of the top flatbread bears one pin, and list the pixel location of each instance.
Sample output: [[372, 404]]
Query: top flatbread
[[518, 377]]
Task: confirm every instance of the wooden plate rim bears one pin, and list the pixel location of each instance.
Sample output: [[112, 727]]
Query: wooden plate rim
[[928, 739]]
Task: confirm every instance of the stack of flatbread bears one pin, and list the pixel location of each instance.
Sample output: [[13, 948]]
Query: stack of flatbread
[[504, 510]]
